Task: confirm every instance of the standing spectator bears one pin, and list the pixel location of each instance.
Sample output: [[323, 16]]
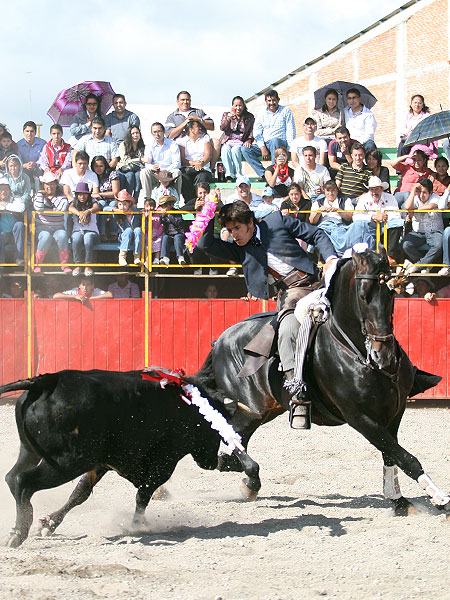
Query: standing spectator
[[352, 179], [279, 176], [12, 229], [19, 182], [120, 120], [56, 154], [273, 128], [130, 230], [30, 148], [82, 121], [359, 120], [50, 227], [195, 151], [329, 117], [97, 143], [311, 175], [237, 127], [6, 148], [416, 113], [161, 153], [124, 288], [109, 186], [79, 174], [84, 293], [308, 139], [412, 168], [173, 236], [339, 150], [131, 157], [85, 233], [373, 161]]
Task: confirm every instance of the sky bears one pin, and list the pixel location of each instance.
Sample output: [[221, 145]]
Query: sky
[[151, 49]]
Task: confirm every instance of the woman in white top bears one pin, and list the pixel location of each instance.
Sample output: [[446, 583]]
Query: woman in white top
[[195, 151]]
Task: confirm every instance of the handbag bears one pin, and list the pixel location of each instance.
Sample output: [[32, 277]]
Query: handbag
[[132, 167]]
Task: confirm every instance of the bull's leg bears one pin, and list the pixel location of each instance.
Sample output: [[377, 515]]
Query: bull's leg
[[381, 438], [49, 523], [252, 483], [26, 460]]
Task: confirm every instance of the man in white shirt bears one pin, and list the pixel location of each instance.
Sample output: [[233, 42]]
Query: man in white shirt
[[308, 139], [311, 175], [161, 154], [80, 173], [244, 192], [98, 144], [359, 120]]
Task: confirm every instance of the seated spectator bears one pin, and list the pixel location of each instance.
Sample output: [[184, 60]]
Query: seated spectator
[[162, 153], [157, 230], [444, 202], [352, 178], [412, 168], [166, 187], [427, 228], [98, 144], [211, 292], [85, 235], [195, 150], [12, 229], [308, 139], [268, 205], [359, 120], [84, 293], [297, 201], [131, 157], [120, 120], [243, 191], [79, 174], [273, 128], [329, 117], [377, 206], [373, 161], [109, 187], [130, 230], [279, 176], [440, 177], [124, 288], [56, 155], [326, 215], [196, 204], [19, 182], [30, 148], [416, 113], [173, 236], [339, 150], [177, 122], [237, 127], [4, 129], [311, 175], [423, 288], [16, 289], [82, 121], [6, 149], [51, 227]]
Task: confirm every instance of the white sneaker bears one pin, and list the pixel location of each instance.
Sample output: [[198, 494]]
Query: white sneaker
[[181, 260], [137, 259], [425, 270], [232, 272], [213, 271], [445, 271], [164, 260], [156, 261], [198, 271], [409, 267]]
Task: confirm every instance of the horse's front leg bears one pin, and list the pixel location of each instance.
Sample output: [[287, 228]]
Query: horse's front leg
[[252, 483]]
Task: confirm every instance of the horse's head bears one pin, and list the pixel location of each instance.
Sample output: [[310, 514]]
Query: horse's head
[[366, 303]]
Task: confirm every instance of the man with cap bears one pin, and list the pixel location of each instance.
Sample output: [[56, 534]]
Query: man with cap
[[269, 251], [12, 229], [376, 206], [243, 192], [308, 138]]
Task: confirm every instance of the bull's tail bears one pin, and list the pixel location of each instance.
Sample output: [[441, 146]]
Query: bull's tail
[[23, 384]]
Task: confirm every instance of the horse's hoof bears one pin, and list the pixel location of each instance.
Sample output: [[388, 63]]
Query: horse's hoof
[[247, 493], [404, 508], [161, 493], [15, 539], [46, 526]]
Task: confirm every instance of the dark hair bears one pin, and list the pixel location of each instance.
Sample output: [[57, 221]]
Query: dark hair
[[204, 185], [342, 129], [119, 96], [5, 134], [102, 159], [294, 186], [329, 91], [426, 183], [311, 149], [236, 211], [85, 205], [356, 146], [425, 107], [82, 155], [98, 121], [128, 143], [330, 185], [245, 113], [376, 154], [30, 124], [271, 94], [183, 92], [422, 154], [191, 124], [98, 99], [353, 90], [3, 126], [156, 124], [56, 126], [442, 158]]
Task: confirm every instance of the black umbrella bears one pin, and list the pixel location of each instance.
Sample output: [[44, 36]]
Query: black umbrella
[[342, 87], [433, 127]]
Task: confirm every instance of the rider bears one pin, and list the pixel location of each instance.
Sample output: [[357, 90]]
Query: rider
[[270, 253]]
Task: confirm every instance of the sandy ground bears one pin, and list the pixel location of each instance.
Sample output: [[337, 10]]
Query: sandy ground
[[320, 528]]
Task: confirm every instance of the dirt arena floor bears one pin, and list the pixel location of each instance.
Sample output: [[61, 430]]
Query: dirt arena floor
[[320, 528]]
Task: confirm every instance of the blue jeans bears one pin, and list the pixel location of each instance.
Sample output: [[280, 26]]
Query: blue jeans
[[369, 145], [401, 198], [337, 233], [366, 231], [446, 147], [168, 243], [131, 239], [252, 154], [232, 160], [133, 183], [446, 246], [15, 238], [84, 242], [45, 238], [107, 206], [412, 247]]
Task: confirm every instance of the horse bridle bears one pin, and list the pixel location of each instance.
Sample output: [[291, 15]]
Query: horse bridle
[[382, 279]]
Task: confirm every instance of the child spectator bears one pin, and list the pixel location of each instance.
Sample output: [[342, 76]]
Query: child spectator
[[123, 288], [129, 226], [6, 149], [165, 187], [19, 182], [85, 234], [157, 230], [173, 236], [12, 229]]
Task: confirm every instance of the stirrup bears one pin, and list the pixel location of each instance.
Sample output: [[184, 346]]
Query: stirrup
[[300, 415]]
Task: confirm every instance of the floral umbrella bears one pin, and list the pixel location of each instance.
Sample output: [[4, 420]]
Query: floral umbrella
[[70, 101]]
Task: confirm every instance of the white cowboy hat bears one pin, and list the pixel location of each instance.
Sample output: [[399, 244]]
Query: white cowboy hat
[[375, 181]]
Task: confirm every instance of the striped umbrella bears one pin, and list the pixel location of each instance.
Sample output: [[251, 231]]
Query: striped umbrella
[[70, 101], [434, 127]]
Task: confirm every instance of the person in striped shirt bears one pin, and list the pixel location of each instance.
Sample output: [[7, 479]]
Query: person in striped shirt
[[352, 179]]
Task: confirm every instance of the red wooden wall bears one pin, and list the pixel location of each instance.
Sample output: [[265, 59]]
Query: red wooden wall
[[111, 335]]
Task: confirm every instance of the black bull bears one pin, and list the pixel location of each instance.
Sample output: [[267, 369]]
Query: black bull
[[90, 422]]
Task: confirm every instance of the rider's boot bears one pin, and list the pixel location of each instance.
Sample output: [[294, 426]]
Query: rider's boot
[[299, 407]]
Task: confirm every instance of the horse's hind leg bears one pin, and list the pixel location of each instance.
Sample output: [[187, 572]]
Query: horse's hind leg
[[49, 523]]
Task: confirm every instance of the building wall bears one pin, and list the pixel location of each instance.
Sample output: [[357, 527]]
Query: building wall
[[407, 54]]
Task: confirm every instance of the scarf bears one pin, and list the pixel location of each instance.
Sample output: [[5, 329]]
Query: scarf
[[283, 173]]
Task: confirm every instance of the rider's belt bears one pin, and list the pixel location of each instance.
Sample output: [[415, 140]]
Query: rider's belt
[[293, 277]]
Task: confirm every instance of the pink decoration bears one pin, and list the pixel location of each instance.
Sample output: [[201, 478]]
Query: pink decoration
[[200, 222]]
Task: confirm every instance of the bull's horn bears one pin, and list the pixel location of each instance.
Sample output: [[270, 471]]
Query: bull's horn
[[246, 409]]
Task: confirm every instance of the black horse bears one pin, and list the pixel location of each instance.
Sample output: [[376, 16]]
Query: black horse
[[356, 372]]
